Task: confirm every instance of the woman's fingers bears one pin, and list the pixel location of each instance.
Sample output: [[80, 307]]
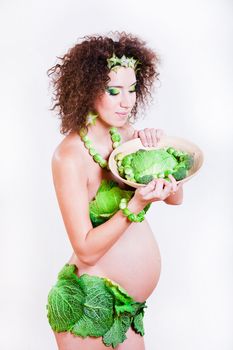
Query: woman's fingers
[[148, 188], [158, 190], [158, 187], [143, 138], [166, 190], [179, 185], [161, 188], [174, 183], [159, 134], [154, 135], [150, 137]]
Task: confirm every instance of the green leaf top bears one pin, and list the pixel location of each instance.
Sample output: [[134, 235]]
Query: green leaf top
[[106, 202]]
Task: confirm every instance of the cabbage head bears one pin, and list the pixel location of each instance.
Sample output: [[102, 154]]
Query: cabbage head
[[143, 166]]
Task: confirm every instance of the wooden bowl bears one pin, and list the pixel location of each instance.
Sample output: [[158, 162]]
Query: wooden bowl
[[166, 141]]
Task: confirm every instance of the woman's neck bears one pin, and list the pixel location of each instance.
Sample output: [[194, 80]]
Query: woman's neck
[[100, 131]]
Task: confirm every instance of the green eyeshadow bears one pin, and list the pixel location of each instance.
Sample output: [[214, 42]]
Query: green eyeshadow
[[133, 88], [113, 91]]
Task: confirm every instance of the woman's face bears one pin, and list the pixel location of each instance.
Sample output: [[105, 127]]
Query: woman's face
[[114, 106]]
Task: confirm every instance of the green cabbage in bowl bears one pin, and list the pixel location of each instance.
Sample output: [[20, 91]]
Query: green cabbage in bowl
[[143, 166]]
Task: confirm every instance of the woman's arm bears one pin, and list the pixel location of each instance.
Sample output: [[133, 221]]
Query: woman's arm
[[70, 182], [100, 239]]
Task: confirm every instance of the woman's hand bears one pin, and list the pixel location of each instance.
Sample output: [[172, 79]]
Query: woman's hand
[[156, 190], [149, 137], [177, 197]]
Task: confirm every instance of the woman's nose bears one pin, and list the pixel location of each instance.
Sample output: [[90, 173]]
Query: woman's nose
[[125, 100]]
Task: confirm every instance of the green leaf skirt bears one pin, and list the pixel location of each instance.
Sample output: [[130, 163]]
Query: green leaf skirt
[[93, 306]]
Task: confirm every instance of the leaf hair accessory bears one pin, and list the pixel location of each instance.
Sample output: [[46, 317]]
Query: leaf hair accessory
[[128, 62]]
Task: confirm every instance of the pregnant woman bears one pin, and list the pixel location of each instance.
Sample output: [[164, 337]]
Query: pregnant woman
[[99, 299]]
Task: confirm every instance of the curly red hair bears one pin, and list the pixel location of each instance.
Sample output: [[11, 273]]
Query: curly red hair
[[82, 75]]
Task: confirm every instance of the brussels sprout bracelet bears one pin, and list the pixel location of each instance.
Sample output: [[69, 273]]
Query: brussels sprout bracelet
[[132, 216], [143, 166]]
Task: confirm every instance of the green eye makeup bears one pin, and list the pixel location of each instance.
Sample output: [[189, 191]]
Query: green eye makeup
[[133, 88], [113, 91]]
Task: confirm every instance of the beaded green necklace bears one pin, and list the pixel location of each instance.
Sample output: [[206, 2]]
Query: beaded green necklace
[[116, 140]]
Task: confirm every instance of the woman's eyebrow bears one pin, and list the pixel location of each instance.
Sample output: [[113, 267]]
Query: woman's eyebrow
[[118, 86]]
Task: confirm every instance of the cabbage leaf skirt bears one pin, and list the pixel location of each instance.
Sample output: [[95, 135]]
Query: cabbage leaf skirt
[[93, 306]]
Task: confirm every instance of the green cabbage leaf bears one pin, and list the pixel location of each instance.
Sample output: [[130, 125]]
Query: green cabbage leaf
[[93, 306], [152, 162], [106, 202]]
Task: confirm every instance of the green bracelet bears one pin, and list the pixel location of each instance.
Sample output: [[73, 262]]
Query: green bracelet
[[131, 216]]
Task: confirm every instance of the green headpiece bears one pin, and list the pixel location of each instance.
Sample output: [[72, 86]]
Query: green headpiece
[[129, 62]]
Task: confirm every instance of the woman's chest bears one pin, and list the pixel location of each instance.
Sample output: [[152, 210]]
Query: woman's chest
[[95, 174]]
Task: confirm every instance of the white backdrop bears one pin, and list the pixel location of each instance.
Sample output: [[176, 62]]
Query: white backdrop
[[191, 307]]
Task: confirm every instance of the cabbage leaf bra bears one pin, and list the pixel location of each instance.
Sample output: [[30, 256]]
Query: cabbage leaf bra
[[106, 201]]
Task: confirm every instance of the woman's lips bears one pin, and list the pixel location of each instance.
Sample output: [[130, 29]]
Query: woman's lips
[[122, 114]]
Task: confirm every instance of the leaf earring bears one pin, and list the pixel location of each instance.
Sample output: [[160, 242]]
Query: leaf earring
[[91, 118]]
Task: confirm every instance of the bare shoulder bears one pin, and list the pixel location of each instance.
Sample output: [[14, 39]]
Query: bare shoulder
[[68, 163], [69, 151]]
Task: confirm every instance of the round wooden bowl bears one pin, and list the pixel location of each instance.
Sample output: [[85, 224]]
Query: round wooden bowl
[[178, 143]]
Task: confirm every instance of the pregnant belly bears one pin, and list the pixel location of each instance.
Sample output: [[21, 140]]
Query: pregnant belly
[[134, 262]]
